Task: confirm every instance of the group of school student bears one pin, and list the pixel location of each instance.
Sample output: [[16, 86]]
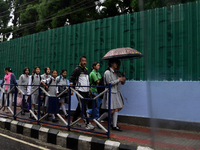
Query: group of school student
[[80, 77]]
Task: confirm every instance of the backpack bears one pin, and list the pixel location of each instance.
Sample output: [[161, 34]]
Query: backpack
[[32, 77], [101, 89], [61, 88]]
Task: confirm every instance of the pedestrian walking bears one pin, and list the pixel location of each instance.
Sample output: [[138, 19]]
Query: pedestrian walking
[[62, 81], [80, 77], [34, 79], [23, 83], [9, 78], [52, 90], [95, 77], [44, 98], [110, 77]]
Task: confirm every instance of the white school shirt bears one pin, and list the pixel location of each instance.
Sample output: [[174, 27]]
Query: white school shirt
[[47, 82]]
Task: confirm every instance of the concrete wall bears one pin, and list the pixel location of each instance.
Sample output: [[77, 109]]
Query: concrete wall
[[166, 100]]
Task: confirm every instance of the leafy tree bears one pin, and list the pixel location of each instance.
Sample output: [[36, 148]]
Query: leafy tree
[[32, 16], [4, 19]]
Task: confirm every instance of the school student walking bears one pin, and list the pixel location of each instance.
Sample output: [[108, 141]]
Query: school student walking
[[34, 79], [44, 98], [23, 83], [110, 77], [9, 78], [62, 81], [52, 90], [80, 77]]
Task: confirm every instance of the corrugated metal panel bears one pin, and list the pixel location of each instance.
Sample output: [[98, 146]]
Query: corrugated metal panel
[[170, 38]]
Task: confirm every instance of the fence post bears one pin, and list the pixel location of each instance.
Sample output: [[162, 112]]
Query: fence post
[[15, 103], [109, 103], [38, 121], [69, 108]]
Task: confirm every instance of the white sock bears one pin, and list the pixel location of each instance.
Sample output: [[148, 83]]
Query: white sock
[[103, 116], [33, 109], [53, 116], [115, 117], [63, 109]]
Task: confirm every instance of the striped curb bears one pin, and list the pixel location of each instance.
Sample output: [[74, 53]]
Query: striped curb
[[71, 141]]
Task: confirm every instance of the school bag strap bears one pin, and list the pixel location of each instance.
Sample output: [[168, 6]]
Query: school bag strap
[[32, 78], [50, 81], [59, 79]]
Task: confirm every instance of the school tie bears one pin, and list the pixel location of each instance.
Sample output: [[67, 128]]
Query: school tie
[[63, 79], [113, 72], [26, 75], [37, 76], [54, 80], [46, 76]]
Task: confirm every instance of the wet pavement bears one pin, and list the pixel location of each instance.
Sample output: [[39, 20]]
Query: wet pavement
[[161, 139]]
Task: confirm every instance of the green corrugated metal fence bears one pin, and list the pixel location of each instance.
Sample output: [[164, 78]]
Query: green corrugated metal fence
[[171, 39]]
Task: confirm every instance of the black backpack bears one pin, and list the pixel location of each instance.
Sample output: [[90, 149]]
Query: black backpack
[[101, 89]]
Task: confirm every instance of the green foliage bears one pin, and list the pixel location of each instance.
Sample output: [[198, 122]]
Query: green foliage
[[4, 19], [35, 16]]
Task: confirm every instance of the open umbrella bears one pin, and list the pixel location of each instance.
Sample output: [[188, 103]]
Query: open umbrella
[[122, 53]]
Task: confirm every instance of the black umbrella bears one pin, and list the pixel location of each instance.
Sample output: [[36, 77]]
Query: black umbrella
[[122, 53]]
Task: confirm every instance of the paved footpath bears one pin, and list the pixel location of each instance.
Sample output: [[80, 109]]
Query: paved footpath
[[161, 139]]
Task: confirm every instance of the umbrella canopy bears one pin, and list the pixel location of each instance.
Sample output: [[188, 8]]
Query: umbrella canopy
[[122, 53]]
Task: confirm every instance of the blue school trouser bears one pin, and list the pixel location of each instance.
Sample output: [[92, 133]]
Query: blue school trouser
[[96, 111]]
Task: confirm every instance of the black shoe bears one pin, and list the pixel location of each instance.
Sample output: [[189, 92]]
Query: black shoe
[[116, 129], [31, 117], [42, 114], [111, 125], [47, 118], [35, 113], [54, 120], [66, 116], [22, 113]]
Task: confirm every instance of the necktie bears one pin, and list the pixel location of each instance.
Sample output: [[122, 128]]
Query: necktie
[[46, 76], [113, 72], [54, 80], [37, 76], [63, 79], [26, 75]]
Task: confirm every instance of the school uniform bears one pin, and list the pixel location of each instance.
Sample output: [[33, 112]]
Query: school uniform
[[11, 81], [52, 90], [44, 77], [30, 89], [23, 80], [62, 81], [116, 97]]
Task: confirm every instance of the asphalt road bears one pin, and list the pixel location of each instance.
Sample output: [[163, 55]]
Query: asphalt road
[[12, 141]]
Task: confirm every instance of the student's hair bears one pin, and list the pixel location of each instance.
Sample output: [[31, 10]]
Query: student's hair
[[118, 62], [81, 58], [34, 70], [54, 70], [24, 70], [63, 70], [8, 69], [111, 61], [45, 69], [94, 64]]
